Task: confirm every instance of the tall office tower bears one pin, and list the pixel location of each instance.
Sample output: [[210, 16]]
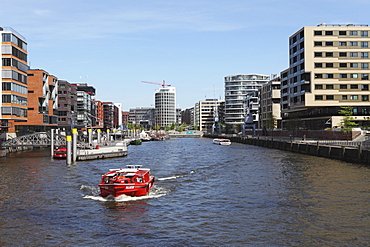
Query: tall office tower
[[13, 100], [165, 106], [328, 69], [237, 88]]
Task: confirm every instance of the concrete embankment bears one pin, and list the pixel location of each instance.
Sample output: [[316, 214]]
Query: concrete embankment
[[345, 153]]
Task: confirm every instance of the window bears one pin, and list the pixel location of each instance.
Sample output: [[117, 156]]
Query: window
[[354, 86], [342, 32], [317, 76], [329, 43], [318, 54], [329, 86], [364, 44], [329, 97], [353, 97], [364, 33], [31, 91], [342, 43], [353, 33], [365, 97], [342, 54], [353, 65], [329, 54], [329, 65], [318, 65], [342, 75], [318, 86], [365, 87], [353, 43], [344, 97], [7, 62], [364, 66], [343, 86], [318, 32], [354, 76], [364, 76], [318, 97], [329, 76], [343, 65], [353, 54], [364, 55], [328, 32], [7, 86], [318, 43]]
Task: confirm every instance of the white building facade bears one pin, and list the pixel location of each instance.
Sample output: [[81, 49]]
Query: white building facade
[[165, 106], [237, 88]]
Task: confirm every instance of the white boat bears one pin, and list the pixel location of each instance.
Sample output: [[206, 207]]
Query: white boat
[[220, 141]]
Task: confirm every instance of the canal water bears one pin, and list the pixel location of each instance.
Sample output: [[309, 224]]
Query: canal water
[[204, 195]]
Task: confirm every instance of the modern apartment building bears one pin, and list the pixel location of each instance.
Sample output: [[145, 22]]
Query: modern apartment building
[[85, 107], [328, 69], [143, 116], [237, 88], [165, 106], [99, 114], [67, 104], [205, 113], [109, 115], [269, 105], [42, 103], [13, 76]]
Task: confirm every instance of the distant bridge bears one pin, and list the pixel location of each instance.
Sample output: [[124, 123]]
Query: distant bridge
[[39, 139]]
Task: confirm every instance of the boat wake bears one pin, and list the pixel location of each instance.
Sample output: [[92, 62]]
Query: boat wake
[[154, 193], [168, 178], [174, 177]]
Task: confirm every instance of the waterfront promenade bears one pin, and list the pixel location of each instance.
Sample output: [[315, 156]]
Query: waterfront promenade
[[348, 151]]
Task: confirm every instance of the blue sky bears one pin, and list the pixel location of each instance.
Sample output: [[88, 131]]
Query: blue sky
[[113, 45]]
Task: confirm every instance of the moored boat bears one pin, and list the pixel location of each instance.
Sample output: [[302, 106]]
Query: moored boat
[[220, 141], [60, 153], [130, 181], [135, 142]]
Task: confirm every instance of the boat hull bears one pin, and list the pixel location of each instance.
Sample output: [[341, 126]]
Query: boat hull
[[129, 189], [223, 142]]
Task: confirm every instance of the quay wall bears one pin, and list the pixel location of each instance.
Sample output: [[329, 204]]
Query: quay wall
[[345, 153]]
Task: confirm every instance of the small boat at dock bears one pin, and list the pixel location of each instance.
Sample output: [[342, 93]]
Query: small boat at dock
[[60, 153], [130, 181], [220, 141]]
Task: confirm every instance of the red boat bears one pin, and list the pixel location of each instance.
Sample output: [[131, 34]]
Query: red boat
[[60, 153], [130, 181]]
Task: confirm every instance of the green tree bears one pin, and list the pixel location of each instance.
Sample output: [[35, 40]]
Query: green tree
[[347, 122], [270, 122]]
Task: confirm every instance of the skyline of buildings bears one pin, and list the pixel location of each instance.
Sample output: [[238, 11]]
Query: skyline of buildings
[[328, 68]]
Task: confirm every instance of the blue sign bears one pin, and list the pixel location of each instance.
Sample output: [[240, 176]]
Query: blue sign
[[189, 132]]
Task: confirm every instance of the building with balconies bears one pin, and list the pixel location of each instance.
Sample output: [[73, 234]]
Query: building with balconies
[[269, 105], [237, 88], [85, 107], [67, 104], [42, 103]]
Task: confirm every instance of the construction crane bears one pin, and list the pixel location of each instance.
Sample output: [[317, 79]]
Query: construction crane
[[163, 84]]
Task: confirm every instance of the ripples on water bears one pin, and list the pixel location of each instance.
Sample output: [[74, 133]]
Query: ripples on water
[[204, 195]]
